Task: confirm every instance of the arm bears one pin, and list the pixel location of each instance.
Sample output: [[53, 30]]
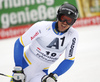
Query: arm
[[65, 64], [69, 55], [18, 74], [18, 53], [63, 67], [20, 62], [23, 41]]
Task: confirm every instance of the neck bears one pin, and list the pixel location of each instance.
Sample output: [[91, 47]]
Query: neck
[[56, 27]]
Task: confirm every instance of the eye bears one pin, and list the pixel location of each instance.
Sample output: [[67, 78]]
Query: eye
[[62, 17], [68, 20]]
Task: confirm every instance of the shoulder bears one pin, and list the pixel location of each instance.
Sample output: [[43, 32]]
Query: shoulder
[[43, 23], [73, 31]]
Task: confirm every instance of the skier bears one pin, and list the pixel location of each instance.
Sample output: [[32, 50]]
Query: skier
[[46, 41]]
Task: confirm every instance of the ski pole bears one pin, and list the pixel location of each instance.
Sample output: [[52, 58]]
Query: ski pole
[[6, 75]]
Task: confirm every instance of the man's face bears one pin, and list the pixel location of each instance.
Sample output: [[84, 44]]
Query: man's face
[[64, 23], [62, 26]]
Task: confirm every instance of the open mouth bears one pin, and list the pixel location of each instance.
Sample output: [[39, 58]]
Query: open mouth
[[64, 26]]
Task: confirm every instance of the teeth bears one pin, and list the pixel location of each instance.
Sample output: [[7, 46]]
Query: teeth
[[63, 25]]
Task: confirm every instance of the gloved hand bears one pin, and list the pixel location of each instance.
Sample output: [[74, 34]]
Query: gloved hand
[[18, 76], [50, 78]]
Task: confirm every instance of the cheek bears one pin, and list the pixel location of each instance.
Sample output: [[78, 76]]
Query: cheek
[[59, 24], [67, 27]]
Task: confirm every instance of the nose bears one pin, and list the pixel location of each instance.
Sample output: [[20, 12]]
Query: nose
[[64, 22]]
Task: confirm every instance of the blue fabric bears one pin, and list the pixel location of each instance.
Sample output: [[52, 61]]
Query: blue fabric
[[18, 55], [54, 29], [46, 71], [63, 67]]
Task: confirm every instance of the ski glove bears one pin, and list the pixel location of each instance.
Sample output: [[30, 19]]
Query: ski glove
[[18, 76], [50, 78]]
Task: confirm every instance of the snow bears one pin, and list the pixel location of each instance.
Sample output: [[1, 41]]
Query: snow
[[87, 62]]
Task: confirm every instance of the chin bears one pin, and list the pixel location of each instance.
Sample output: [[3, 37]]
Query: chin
[[62, 30]]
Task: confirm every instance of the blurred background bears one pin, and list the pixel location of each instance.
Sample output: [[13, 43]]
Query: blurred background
[[16, 16]]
